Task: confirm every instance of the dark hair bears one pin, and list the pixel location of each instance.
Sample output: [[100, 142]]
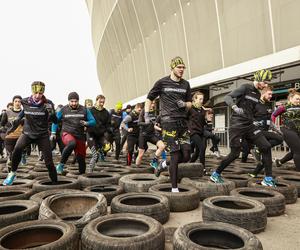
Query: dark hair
[[139, 105], [128, 106], [17, 97], [9, 104], [197, 93]]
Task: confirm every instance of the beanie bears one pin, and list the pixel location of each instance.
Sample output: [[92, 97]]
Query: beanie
[[38, 87], [176, 61], [73, 95]]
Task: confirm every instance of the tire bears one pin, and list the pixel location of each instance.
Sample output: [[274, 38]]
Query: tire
[[239, 180], [186, 199], [18, 183], [15, 194], [120, 171], [39, 197], [190, 170], [140, 182], [242, 212], [214, 235], [36, 235], [133, 232], [289, 191], [73, 175], [142, 169], [208, 188], [62, 183], [150, 204], [14, 211], [38, 171], [109, 191], [291, 179], [78, 208], [92, 179], [274, 201]]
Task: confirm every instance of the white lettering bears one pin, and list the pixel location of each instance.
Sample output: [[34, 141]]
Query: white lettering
[[33, 113], [175, 90]]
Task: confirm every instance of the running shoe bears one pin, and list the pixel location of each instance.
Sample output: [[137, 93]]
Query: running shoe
[[277, 163], [60, 168], [159, 169], [216, 178], [154, 163], [268, 181], [9, 179]]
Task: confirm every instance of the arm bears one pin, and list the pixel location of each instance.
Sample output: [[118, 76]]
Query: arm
[[126, 120], [54, 126], [229, 98], [91, 122], [188, 98], [4, 120], [16, 122], [277, 112]]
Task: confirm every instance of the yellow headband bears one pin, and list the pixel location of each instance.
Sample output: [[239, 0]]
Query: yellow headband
[[176, 61], [38, 87]]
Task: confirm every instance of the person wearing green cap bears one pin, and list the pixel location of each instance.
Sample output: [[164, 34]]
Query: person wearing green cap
[[243, 101], [37, 112], [175, 100]]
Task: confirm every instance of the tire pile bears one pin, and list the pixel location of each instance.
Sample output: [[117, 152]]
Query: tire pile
[[119, 207]]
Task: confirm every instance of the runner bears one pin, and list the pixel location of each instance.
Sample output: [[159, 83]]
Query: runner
[[74, 118], [175, 100], [290, 114], [243, 101], [37, 111]]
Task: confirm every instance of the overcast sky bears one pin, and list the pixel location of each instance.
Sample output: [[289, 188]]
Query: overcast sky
[[49, 41]]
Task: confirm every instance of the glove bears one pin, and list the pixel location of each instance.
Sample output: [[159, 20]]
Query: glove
[[147, 118], [237, 110], [258, 123], [83, 123], [181, 104], [52, 137], [49, 108]]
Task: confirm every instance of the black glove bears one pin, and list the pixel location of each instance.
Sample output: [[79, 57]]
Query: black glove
[[181, 104]]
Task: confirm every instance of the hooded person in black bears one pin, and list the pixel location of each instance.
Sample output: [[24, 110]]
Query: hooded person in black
[[37, 111], [175, 99], [243, 101]]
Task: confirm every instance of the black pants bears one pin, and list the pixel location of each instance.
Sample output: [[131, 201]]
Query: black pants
[[287, 157], [124, 137], [132, 142], [214, 139], [246, 146], [115, 137], [200, 143], [59, 142], [43, 144], [264, 147], [292, 139], [9, 146]]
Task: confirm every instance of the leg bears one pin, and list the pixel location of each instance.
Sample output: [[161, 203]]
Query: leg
[[293, 140], [80, 152], [21, 144], [94, 149], [117, 139]]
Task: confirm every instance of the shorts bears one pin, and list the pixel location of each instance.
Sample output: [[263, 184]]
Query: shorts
[[80, 148], [175, 135], [143, 139], [249, 133]]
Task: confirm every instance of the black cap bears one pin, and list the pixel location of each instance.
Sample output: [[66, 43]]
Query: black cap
[[128, 106], [17, 97], [73, 95]]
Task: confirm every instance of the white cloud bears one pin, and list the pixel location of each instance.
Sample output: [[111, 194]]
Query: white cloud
[[49, 41]]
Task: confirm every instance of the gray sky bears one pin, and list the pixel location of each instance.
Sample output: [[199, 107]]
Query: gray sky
[[49, 41]]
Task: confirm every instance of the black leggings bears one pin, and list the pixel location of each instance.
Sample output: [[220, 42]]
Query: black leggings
[[287, 157], [200, 143], [214, 139], [44, 146], [264, 147], [9, 146], [292, 139], [178, 157]]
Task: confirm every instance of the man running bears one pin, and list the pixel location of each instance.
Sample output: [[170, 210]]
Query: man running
[[74, 118], [37, 112], [175, 99], [243, 101]]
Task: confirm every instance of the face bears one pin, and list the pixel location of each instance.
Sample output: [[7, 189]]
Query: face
[[295, 100], [128, 111], [100, 102], [17, 103], [152, 106], [37, 96], [73, 103], [262, 85], [138, 109], [179, 70], [89, 105], [267, 96], [198, 99]]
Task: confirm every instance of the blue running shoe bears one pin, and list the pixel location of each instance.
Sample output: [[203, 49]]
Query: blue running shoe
[[154, 163], [216, 178], [268, 181], [60, 168], [9, 179]]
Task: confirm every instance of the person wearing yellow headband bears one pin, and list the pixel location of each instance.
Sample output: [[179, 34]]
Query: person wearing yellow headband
[[114, 134], [243, 101], [175, 100], [37, 112]]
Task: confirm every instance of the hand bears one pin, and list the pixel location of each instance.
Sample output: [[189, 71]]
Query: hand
[[83, 123], [147, 118], [181, 104], [53, 137], [49, 108], [237, 110], [130, 130], [258, 123]]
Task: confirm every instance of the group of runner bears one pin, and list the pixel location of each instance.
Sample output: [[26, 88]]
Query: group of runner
[[179, 129]]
